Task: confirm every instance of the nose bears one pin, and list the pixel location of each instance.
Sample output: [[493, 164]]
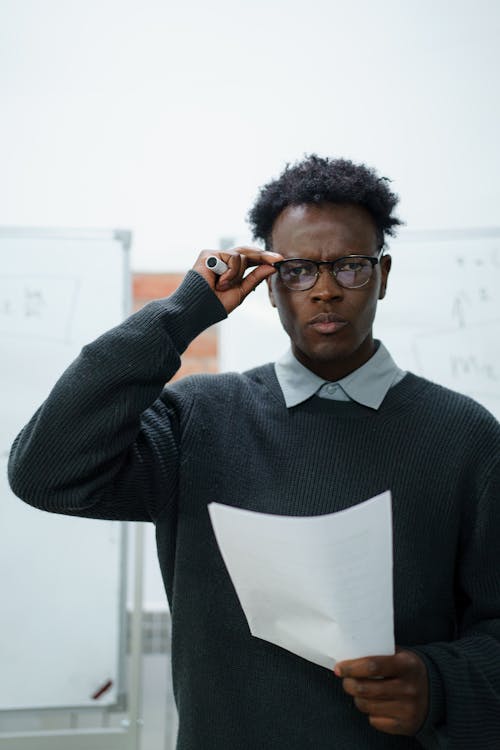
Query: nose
[[326, 286]]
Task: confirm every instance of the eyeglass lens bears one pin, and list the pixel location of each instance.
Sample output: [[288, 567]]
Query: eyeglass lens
[[349, 272]]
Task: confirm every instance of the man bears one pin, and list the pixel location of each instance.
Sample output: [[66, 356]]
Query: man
[[330, 425]]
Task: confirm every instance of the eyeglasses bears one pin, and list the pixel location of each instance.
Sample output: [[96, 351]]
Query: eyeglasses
[[351, 271]]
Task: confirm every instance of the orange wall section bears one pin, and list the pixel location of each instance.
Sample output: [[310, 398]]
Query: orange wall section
[[202, 354]]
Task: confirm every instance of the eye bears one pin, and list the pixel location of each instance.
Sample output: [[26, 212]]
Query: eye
[[352, 265], [298, 273], [299, 270]]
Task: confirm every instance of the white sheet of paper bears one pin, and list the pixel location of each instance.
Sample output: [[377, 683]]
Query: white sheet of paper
[[318, 586]]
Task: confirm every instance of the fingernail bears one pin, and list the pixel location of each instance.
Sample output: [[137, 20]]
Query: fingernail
[[276, 255], [338, 671]]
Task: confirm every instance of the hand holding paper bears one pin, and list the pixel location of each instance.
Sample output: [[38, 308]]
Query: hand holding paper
[[397, 702], [319, 586]]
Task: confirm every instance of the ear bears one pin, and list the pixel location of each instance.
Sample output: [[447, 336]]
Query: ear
[[269, 282], [385, 265]]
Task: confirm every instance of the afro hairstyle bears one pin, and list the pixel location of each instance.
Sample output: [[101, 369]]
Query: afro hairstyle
[[316, 180]]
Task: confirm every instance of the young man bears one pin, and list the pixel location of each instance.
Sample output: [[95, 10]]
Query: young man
[[330, 425]]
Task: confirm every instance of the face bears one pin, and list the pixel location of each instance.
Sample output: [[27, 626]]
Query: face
[[333, 347]]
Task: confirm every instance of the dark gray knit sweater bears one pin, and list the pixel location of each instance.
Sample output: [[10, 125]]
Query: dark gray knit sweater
[[109, 442]]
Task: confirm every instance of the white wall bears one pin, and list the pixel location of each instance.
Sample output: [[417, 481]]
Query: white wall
[[164, 118]]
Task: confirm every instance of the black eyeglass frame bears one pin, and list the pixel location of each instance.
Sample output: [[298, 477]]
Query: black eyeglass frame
[[374, 260]]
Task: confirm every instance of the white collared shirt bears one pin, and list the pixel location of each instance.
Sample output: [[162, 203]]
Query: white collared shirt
[[368, 385]]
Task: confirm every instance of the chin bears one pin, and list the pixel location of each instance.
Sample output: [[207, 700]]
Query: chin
[[329, 353], [333, 354]]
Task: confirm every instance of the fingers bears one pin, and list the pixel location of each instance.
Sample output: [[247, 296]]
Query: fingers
[[375, 708], [386, 724], [233, 285], [242, 258], [359, 668], [378, 666], [392, 690], [399, 716], [379, 690]]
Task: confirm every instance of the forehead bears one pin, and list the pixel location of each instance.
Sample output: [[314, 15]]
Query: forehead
[[324, 228]]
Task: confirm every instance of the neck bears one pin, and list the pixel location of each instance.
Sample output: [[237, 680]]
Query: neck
[[338, 368]]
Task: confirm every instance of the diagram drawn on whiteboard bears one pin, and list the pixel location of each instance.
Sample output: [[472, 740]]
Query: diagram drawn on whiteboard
[[38, 306]]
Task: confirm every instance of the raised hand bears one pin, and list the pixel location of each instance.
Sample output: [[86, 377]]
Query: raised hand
[[233, 286]]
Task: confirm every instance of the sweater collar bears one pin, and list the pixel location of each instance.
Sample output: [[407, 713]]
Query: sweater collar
[[368, 385]]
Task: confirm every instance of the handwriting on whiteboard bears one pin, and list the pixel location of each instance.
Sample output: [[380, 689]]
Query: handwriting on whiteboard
[[469, 365], [441, 318], [475, 274], [465, 360], [467, 357], [37, 307]]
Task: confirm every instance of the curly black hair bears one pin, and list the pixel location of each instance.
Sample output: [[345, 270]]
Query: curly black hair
[[317, 180]]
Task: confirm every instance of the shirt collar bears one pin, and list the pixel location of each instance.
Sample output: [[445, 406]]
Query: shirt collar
[[368, 385]]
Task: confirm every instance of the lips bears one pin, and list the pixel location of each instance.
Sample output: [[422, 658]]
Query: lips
[[327, 323]]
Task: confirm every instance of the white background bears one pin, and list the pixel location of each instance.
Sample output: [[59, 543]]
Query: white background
[[164, 118]]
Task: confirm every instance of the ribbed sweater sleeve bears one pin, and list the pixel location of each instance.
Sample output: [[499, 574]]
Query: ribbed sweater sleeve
[[104, 444], [464, 675]]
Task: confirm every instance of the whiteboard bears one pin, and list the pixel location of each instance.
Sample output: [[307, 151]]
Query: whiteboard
[[440, 317], [61, 579]]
